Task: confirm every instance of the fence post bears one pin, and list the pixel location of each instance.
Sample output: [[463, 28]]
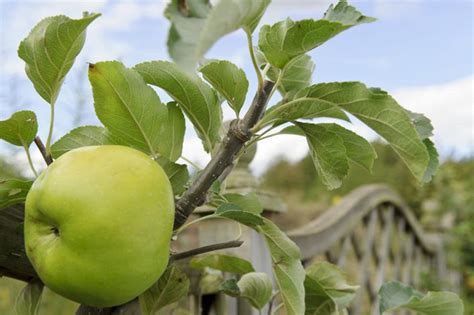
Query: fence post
[[254, 249]]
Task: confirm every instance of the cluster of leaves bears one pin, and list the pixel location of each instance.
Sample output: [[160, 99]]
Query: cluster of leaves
[[132, 114], [325, 286]]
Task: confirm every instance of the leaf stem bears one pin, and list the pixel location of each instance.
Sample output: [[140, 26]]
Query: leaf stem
[[254, 60], [185, 226], [277, 83], [30, 161], [206, 249], [265, 70], [50, 133]]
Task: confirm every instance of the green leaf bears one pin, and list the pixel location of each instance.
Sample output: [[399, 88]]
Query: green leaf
[[194, 30], [228, 16], [170, 288], [395, 295], [256, 287], [287, 268], [433, 163], [248, 202], [234, 212], [230, 287], [287, 39], [317, 301], [28, 301], [300, 108], [380, 112], [424, 128], [328, 152], [50, 50], [13, 191], [197, 100], [296, 74], [81, 137], [210, 282], [172, 134], [229, 80], [422, 124], [358, 150], [127, 106], [20, 129], [332, 283], [186, 25], [226, 263], [177, 174]]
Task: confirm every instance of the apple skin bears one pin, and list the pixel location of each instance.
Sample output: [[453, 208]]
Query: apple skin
[[98, 224]]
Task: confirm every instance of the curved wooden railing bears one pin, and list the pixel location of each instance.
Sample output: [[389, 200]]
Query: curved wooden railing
[[374, 228]]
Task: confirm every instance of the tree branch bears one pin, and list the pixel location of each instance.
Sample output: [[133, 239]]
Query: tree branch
[[205, 249], [238, 134], [47, 158]]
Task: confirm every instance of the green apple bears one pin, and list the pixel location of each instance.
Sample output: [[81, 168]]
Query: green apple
[[98, 224]]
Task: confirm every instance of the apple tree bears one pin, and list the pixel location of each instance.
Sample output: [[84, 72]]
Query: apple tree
[[132, 115]]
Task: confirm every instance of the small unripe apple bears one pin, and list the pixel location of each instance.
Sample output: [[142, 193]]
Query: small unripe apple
[[98, 224]]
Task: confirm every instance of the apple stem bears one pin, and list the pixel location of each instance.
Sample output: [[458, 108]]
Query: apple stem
[[47, 157]]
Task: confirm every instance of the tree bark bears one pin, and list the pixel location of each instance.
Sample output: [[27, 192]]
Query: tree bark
[[13, 260]]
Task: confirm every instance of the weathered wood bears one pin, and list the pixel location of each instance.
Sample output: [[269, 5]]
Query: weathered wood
[[346, 244], [364, 263], [384, 249], [330, 256], [321, 234], [408, 255], [355, 245], [417, 266], [254, 249], [398, 258]]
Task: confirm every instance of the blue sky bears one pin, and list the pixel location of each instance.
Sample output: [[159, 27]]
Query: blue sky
[[421, 51]]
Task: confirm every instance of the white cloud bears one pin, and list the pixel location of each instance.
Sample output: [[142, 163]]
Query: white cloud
[[291, 148], [450, 108], [281, 9]]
